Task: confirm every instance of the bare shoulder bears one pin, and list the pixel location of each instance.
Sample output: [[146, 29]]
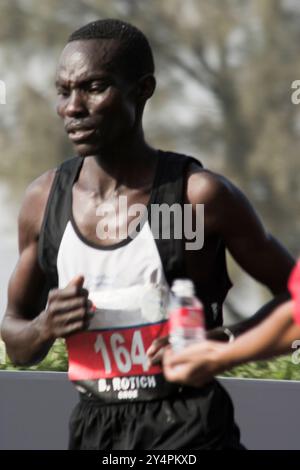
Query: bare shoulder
[[39, 188], [33, 207], [206, 187], [225, 205]]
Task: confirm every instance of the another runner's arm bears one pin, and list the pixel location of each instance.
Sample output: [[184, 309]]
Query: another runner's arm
[[199, 363], [229, 214], [29, 329]]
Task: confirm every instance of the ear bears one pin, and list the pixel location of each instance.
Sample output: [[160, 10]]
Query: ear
[[146, 87]]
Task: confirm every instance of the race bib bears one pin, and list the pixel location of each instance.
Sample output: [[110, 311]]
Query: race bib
[[113, 365], [107, 354]]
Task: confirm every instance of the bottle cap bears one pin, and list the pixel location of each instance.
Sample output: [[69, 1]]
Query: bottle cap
[[183, 288]]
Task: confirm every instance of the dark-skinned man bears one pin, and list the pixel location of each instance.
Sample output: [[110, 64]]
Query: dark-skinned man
[[108, 292]]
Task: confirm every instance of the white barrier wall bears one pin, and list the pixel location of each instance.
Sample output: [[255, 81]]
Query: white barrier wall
[[35, 408]]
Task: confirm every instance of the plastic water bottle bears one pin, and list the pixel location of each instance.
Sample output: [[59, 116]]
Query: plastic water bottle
[[186, 315]]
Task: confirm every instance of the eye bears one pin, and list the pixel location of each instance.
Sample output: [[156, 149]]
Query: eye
[[97, 87], [64, 92]]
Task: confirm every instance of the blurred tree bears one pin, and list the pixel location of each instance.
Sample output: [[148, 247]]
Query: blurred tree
[[224, 70], [244, 54]]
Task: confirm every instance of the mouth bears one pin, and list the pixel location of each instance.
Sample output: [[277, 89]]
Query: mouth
[[80, 135]]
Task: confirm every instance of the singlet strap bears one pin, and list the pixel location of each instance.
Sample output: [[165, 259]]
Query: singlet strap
[[169, 190], [57, 213]]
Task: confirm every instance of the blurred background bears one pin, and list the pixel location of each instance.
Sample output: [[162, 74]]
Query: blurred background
[[224, 69]]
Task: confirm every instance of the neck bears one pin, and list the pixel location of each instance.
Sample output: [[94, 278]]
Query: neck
[[131, 164]]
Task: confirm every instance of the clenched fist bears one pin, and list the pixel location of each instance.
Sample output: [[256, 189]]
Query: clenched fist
[[67, 310]]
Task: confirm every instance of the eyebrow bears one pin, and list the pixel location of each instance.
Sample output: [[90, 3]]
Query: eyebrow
[[90, 78]]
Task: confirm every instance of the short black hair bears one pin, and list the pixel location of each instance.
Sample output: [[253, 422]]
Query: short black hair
[[134, 54]]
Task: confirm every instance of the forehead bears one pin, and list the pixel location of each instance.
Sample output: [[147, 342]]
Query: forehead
[[80, 58]]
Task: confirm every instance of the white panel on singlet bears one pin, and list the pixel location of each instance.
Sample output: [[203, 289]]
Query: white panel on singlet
[[126, 284]]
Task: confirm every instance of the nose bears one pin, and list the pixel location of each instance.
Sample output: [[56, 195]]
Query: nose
[[75, 106]]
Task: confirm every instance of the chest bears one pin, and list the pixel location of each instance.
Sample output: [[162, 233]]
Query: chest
[[108, 222]]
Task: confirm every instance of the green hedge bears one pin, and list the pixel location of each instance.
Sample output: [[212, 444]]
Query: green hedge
[[281, 368], [56, 360]]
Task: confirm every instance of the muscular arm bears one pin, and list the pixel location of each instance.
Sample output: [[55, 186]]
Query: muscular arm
[[229, 214], [29, 328], [21, 325], [245, 325]]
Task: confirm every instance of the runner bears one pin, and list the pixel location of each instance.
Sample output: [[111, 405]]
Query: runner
[[92, 233]]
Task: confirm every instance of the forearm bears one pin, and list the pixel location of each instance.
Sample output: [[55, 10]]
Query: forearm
[[200, 362], [245, 325], [272, 337], [25, 341]]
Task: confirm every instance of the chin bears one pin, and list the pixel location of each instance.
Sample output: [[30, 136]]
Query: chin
[[85, 149]]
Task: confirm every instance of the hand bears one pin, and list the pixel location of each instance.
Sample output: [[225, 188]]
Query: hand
[[196, 364], [67, 311], [156, 350]]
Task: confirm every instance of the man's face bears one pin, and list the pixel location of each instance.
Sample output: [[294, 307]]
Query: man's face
[[95, 101]]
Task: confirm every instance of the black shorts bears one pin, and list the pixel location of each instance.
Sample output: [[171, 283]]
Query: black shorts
[[195, 419]]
